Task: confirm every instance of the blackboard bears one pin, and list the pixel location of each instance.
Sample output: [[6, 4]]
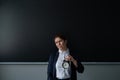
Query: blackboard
[[27, 28]]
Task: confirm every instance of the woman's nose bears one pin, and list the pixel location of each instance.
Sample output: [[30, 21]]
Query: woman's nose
[[58, 43]]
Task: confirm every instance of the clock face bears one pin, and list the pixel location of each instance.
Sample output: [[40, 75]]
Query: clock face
[[65, 65]]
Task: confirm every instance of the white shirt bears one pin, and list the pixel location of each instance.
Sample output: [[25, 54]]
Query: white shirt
[[62, 73]]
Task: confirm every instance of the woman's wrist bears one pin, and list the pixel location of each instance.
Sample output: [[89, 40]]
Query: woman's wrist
[[74, 62]]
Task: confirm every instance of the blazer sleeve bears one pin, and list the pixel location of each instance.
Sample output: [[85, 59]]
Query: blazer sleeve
[[50, 68], [80, 68]]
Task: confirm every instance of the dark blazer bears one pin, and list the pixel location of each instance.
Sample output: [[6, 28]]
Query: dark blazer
[[51, 72]]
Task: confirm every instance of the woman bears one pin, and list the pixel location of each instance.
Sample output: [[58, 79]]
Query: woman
[[63, 64]]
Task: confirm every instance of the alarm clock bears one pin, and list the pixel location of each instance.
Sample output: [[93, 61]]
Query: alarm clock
[[66, 64]]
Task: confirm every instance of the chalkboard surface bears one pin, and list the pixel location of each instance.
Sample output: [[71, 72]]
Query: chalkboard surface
[[27, 28]]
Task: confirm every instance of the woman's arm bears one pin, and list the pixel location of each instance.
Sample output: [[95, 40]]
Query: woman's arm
[[76, 62], [80, 67]]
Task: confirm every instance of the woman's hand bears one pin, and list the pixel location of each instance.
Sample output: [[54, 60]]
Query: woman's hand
[[70, 58]]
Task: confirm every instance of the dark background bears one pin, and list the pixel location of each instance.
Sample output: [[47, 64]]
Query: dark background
[[27, 28]]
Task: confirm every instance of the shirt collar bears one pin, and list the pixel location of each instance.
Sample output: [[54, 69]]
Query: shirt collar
[[66, 51]]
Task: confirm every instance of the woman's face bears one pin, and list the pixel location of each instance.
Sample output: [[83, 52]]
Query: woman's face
[[60, 43]]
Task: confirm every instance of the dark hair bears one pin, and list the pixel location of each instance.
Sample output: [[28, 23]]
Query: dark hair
[[60, 36]]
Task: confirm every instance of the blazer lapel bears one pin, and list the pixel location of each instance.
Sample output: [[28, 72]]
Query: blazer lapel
[[54, 67]]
